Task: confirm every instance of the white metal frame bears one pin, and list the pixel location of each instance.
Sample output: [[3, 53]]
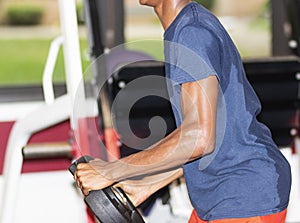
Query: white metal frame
[[50, 113], [48, 89]]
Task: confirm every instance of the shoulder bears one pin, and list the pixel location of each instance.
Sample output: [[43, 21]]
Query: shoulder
[[196, 36], [198, 25]]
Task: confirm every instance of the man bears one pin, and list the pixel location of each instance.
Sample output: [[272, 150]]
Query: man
[[233, 170]]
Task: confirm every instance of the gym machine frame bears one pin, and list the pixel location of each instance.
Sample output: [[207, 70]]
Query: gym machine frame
[[35, 121]]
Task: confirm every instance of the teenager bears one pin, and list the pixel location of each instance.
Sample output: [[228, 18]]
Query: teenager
[[234, 171]]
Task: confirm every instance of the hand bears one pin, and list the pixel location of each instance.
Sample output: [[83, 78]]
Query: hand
[[140, 189], [137, 193], [89, 176]]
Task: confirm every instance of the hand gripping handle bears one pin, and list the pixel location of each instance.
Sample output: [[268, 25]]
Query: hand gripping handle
[[111, 204]]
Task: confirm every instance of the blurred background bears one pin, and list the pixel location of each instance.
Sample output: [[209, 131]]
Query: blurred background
[[27, 28]]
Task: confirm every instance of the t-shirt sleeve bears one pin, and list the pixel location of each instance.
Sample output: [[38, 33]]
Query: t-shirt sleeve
[[195, 55]]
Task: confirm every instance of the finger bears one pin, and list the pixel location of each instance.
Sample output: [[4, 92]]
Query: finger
[[78, 169], [78, 184], [85, 191], [81, 171], [120, 185], [79, 180], [81, 166], [77, 175]]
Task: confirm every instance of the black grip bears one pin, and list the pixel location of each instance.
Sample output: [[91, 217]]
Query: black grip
[[83, 159]]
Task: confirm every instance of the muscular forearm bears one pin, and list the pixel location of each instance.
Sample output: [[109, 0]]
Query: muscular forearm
[[184, 144], [140, 189], [157, 181]]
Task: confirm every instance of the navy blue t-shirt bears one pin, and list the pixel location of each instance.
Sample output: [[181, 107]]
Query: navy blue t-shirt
[[246, 175]]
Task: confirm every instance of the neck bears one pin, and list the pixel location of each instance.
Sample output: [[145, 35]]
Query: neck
[[168, 10]]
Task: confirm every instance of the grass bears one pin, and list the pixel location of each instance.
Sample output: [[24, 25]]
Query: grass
[[22, 61], [153, 48], [261, 23]]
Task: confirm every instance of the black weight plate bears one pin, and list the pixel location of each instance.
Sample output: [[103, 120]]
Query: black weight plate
[[103, 208], [109, 205]]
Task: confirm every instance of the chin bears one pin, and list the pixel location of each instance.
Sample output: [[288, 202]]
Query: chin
[[147, 3], [143, 2]]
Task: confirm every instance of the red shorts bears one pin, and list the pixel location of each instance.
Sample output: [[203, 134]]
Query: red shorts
[[272, 218]]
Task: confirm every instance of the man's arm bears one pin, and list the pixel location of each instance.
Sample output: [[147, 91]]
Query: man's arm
[[139, 190], [193, 139]]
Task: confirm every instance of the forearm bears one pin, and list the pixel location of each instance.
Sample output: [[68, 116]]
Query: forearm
[[159, 180], [139, 190], [155, 182], [170, 153]]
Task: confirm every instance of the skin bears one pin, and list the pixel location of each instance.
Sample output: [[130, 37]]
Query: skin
[[143, 173]]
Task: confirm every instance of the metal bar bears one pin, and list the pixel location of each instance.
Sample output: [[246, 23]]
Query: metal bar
[[47, 151], [49, 69], [280, 39], [111, 15], [72, 58], [94, 28]]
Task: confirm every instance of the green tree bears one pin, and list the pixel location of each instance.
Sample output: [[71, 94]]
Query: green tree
[[1, 10]]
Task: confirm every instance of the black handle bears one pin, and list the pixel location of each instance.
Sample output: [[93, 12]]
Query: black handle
[[83, 159]]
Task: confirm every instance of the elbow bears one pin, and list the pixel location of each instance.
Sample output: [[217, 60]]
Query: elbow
[[209, 145], [204, 143]]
